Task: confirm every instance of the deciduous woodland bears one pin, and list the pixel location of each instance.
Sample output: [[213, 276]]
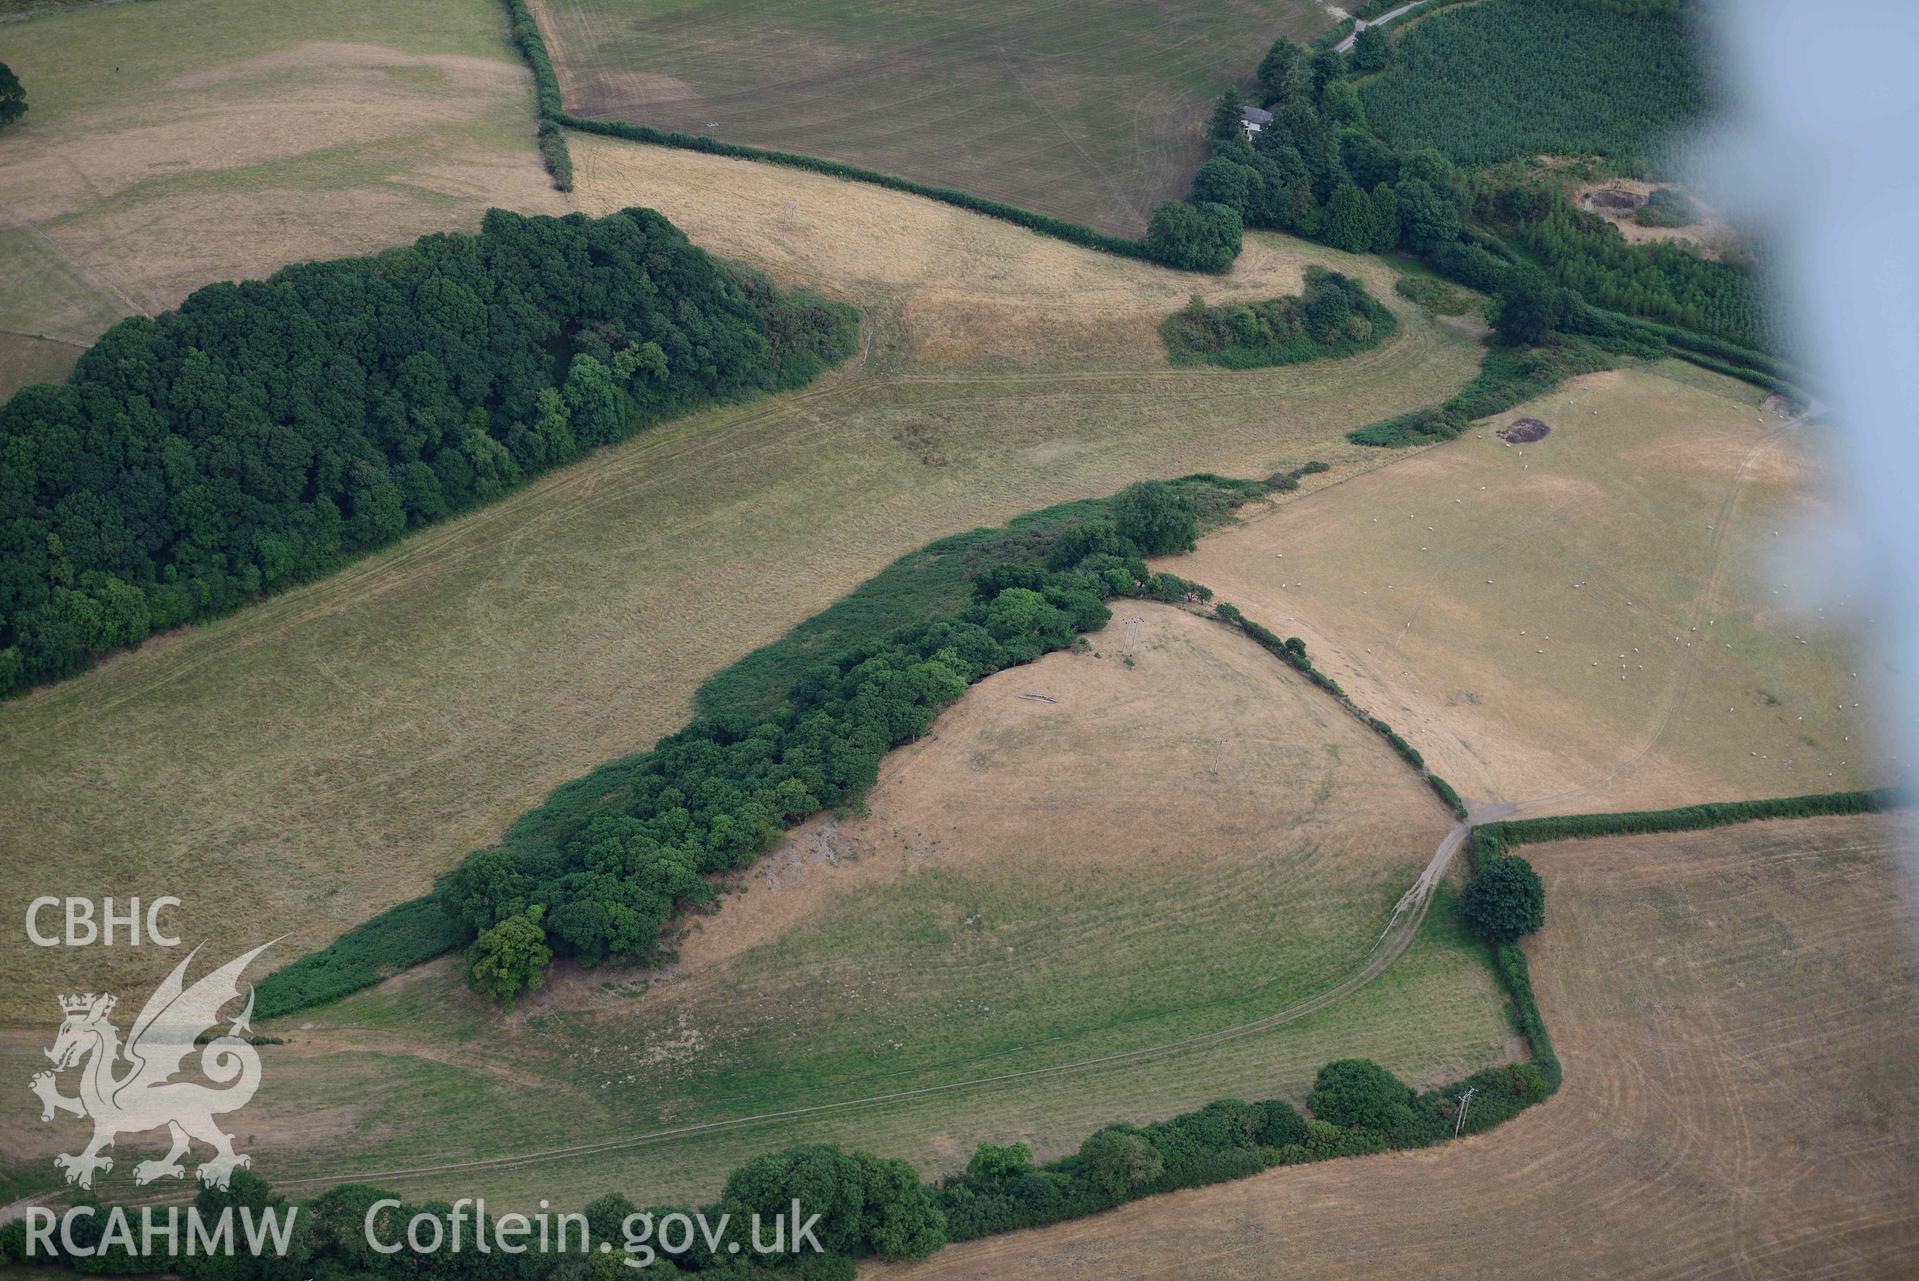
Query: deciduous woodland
[[267, 432]]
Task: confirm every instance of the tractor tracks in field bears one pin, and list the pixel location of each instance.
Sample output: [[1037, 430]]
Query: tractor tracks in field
[[1400, 931]]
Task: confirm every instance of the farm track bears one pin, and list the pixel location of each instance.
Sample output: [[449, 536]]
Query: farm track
[[1346, 45], [1728, 1110], [1400, 931]]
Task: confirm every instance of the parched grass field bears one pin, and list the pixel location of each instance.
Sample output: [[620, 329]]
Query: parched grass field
[[1067, 904], [1090, 111], [1737, 1017], [170, 145], [319, 757], [1595, 621]]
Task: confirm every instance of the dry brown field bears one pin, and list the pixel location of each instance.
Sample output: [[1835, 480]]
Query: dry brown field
[[328, 753], [1595, 621], [1736, 1014], [169, 146]]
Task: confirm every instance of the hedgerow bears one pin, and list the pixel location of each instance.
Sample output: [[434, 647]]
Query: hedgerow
[[1172, 254], [1496, 838], [403, 936], [1292, 651], [1507, 376], [525, 33], [1445, 792], [1228, 1139]]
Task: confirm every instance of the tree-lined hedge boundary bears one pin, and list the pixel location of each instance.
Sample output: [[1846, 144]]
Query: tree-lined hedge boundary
[[1497, 840], [524, 30], [1045, 224], [555, 119], [1292, 652]]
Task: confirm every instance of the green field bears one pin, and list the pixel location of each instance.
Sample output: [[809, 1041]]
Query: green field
[[961, 980], [408, 1078], [169, 145], [1086, 111]]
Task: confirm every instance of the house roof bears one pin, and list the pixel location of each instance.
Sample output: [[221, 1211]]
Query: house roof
[[1256, 115]]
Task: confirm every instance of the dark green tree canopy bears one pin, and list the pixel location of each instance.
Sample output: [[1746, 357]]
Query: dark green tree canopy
[[868, 1206], [1360, 1092], [1225, 124], [268, 431], [1156, 517], [13, 98], [1372, 50], [1283, 74], [510, 958], [1504, 900], [1525, 314], [1118, 1160], [1198, 237]]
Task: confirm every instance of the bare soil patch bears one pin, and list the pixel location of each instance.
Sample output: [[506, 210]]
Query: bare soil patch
[[1614, 200], [1618, 199], [1736, 1013], [1523, 431]]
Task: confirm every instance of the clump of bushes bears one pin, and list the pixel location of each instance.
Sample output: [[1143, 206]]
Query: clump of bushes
[[1434, 296], [1284, 482], [13, 98], [1332, 316], [1199, 236], [1667, 207]]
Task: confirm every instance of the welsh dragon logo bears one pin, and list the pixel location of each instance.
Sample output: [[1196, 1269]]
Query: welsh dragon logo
[[142, 1095]]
